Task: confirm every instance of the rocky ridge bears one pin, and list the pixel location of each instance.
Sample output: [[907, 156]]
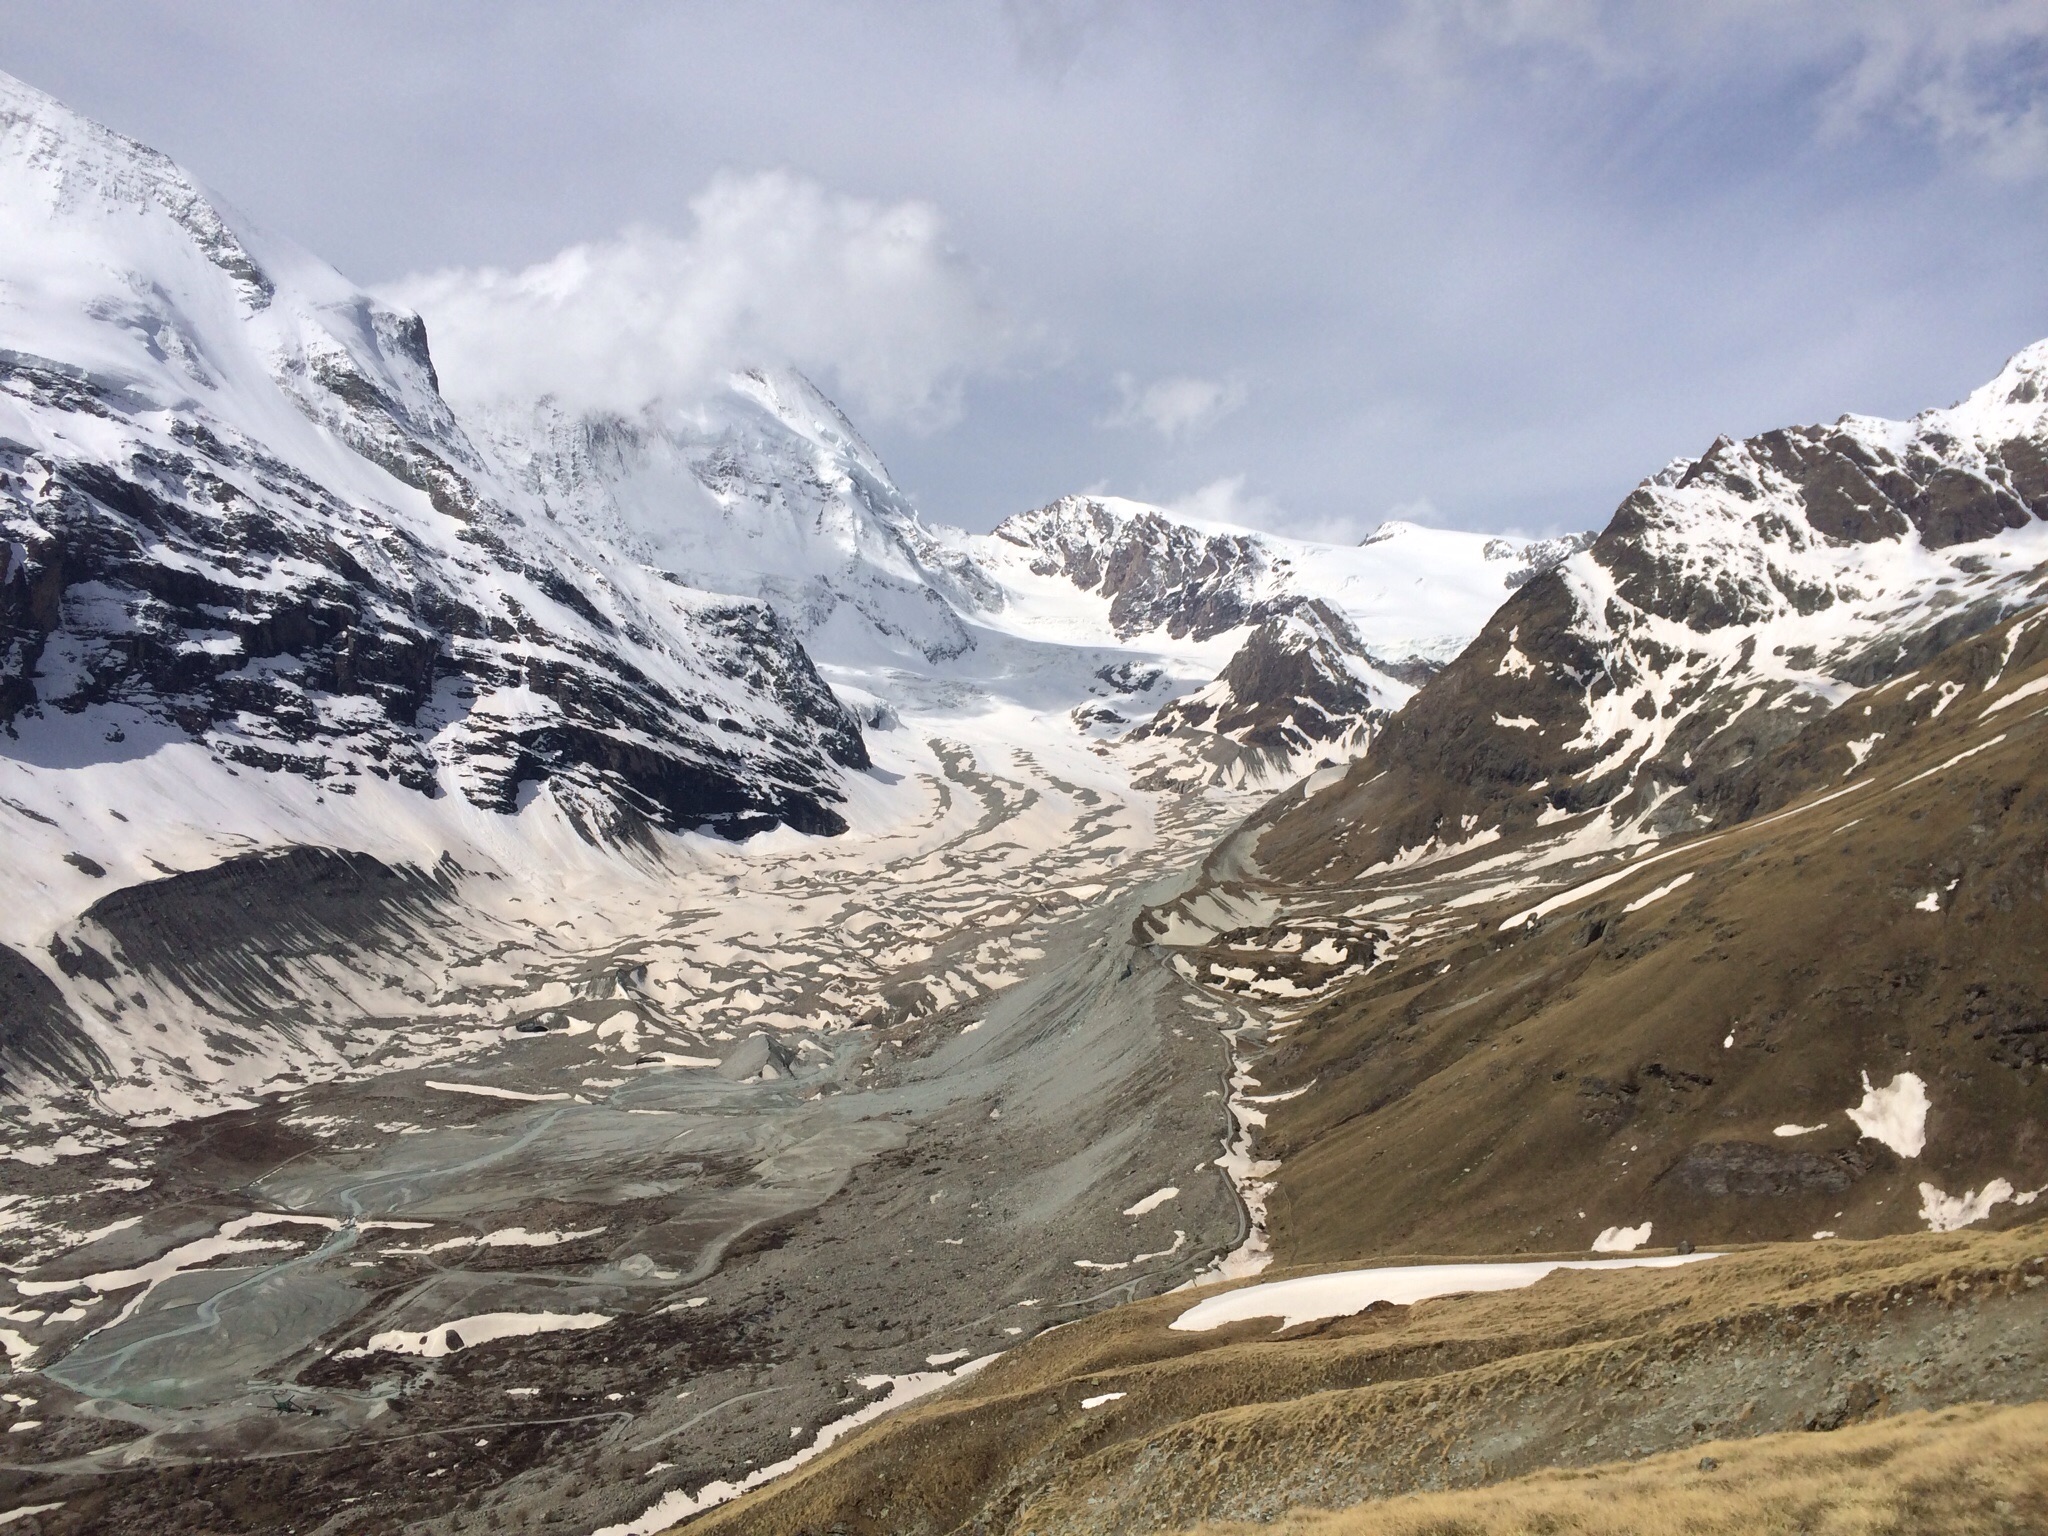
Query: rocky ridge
[[1730, 601], [1302, 693]]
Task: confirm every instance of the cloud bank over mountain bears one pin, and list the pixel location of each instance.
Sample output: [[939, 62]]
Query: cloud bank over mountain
[[774, 270]]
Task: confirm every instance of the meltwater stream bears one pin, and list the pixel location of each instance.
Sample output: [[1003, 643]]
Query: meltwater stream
[[150, 1354]]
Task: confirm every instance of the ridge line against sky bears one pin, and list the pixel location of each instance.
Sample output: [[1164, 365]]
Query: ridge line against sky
[[1484, 264]]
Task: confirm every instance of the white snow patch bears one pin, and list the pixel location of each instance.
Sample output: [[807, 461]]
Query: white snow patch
[[1928, 773], [1314, 1297], [1947, 1213], [676, 1505], [1153, 1201], [1895, 1114], [482, 1091], [2027, 691], [1621, 1239], [1100, 1398], [1658, 894], [432, 1343], [1798, 1130], [508, 1237]]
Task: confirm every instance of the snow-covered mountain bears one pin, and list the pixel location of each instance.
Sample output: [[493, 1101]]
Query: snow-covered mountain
[[1732, 599], [1412, 593], [1308, 647], [293, 644], [239, 514], [766, 489], [1719, 833]]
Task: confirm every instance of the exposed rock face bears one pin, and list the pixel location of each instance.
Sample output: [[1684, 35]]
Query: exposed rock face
[[233, 935], [1536, 557], [237, 509], [1157, 573], [39, 1034], [1300, 692]]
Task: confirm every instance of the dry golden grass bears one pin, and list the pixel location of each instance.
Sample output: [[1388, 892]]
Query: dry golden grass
[[1973, 1468], [1576, 1370]]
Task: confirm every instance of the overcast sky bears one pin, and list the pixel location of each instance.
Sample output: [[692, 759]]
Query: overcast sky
[[1306, 265]]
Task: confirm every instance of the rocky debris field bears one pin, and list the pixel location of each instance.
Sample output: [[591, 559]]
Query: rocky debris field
[[660, 1227]]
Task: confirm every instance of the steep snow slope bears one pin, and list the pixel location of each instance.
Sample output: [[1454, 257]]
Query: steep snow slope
[[239, 513], [766, 489]]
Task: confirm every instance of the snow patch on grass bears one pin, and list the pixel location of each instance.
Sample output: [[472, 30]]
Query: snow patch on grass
[[1658, 894], [1621, 1239], [1315, 1297], [676, 1505], [1949, 1213], [1895, 1114]]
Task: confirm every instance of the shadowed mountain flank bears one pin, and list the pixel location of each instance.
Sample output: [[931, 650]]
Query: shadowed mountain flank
[[234, 934], [39, 1034]]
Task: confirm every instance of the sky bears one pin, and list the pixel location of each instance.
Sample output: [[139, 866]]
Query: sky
[[1304, 266]]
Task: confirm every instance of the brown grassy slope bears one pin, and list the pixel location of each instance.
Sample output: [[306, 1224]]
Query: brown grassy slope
[[1579, 1369], [1956, 1472], [1495, 1091]]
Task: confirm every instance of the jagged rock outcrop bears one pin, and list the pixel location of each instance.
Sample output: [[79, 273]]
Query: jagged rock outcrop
[[1302, 692]]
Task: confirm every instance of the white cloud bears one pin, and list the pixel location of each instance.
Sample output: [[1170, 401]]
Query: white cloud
[[1175, 407], [866, 297], [1224, 501], [1972, 76]]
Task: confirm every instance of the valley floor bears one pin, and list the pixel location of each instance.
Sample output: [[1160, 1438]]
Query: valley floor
[[826, 1126]]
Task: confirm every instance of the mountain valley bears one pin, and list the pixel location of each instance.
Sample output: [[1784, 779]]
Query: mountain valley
[[564, 965]]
